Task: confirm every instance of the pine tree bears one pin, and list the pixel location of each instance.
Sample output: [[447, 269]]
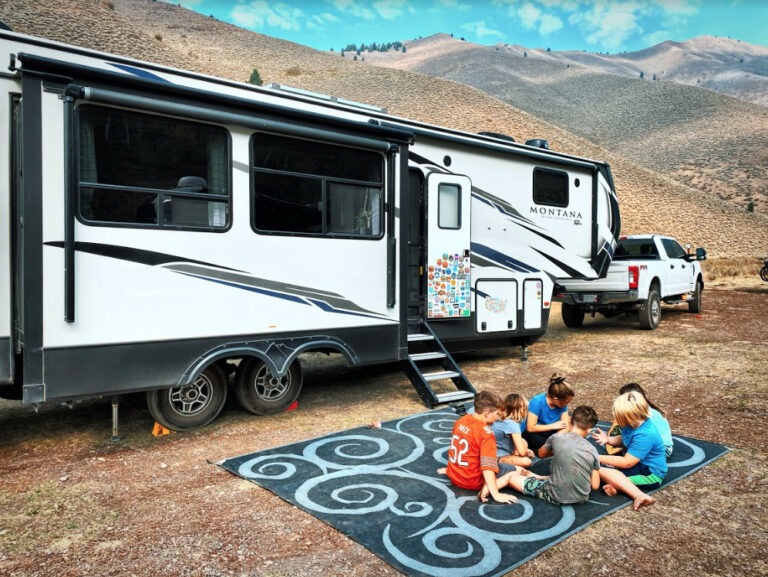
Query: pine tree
[[255, 78]]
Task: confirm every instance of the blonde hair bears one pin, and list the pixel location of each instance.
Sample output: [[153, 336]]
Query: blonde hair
[[516, 407], [630, 408], [559, 388]]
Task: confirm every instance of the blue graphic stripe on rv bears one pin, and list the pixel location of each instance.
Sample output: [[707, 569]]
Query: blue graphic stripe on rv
[[501, 258], [138, 72]]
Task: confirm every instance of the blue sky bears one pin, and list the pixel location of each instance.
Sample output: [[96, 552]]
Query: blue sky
[[593, 25]]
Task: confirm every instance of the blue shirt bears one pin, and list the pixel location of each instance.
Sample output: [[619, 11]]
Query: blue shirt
[[547, 415], [662, 426], [502, 431], [645, 443]]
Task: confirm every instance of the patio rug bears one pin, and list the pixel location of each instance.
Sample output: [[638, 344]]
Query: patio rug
[[379, 486]]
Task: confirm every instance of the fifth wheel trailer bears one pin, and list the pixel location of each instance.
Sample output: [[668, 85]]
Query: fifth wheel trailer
[[158, 227]]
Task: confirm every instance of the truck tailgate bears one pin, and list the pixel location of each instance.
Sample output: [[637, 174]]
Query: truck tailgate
[[615, 280]]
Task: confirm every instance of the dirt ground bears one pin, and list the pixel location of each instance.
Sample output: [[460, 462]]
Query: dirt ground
[[72, 504]]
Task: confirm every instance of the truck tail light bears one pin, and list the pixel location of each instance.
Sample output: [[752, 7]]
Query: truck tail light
[[634, 276]]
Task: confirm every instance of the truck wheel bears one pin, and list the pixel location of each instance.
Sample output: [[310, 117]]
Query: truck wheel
[[192, 406], [573, 315], [694, 305], [261, 393], [764, 274], [650, 311]]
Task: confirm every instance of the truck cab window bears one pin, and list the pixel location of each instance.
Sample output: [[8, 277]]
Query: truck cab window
[[146, 170]]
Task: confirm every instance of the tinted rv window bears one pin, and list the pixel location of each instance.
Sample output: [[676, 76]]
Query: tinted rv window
[[146, 170], [316, 188], [550, 187]]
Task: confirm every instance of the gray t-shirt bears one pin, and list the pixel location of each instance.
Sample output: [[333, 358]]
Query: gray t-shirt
[[572, 465]]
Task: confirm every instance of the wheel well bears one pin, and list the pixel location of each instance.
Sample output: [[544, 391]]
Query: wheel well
[[656, 283], [278, 355]]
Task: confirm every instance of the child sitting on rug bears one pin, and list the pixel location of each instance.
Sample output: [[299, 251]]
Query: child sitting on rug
[[511, 448], [472, 455], [644, 464], [612, 440], [575, 467], [548, 413]]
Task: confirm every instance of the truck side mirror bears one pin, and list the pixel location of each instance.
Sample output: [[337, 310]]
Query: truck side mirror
[[701, 254]]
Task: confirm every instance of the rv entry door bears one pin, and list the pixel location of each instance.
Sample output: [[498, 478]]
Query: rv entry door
[[448, 224]]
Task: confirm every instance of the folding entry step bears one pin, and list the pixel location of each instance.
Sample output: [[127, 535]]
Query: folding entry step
[[426, 356]]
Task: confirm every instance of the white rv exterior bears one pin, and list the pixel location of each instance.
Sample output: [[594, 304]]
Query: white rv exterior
[[156, 223]]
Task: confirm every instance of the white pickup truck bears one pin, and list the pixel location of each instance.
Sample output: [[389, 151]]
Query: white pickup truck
[[646, 270]]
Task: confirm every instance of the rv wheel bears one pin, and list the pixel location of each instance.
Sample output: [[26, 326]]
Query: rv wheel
[[573, 315], [261, 393], [192, 406]]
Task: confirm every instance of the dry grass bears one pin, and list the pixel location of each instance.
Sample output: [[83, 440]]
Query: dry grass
[[720, 268]]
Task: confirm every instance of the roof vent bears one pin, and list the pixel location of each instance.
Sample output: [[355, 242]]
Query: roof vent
[[498, 135], [538, 143]]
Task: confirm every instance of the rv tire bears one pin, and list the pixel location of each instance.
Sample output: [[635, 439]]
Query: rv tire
[[573, 315], [261, 393], [192, 406]]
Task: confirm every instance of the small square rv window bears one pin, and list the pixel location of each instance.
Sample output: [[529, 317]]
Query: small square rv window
[[449, 206], [550, 187]]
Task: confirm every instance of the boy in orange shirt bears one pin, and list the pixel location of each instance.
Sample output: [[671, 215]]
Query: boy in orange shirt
[[472, 460]]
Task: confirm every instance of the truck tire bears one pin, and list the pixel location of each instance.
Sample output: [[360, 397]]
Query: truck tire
[[649, 314], [261, 393], [573, 316], [694, 305], [191, 406]]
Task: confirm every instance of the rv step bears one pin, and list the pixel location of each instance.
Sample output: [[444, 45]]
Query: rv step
[[420, 337], [440, 375], [455, 396], [426, 356]]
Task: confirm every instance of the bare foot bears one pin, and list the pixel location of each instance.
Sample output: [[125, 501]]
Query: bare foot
[[642, 501], [442, 471], [609, 490]]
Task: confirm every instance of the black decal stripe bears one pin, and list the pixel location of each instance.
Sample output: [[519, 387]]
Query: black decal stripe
[[572, 273], [137, 255]]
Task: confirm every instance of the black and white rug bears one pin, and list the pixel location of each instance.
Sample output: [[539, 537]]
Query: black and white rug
[[380, 487]]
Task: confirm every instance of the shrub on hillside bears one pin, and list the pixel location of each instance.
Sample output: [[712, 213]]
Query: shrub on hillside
[[256, 78]]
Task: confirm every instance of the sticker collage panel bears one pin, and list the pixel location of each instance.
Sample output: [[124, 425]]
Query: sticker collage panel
[[448, 287]]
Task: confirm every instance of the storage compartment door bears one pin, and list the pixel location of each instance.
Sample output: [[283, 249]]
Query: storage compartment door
[[448, 281], [496, 305], [532, 304]]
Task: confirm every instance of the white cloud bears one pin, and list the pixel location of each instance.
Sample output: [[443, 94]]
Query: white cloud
[[320, 20], [258, 13], [351, 7], [452, 4], [611, 23], [389, 9], [550, 24], [531, 18], [529, 15], [480, 29], [679, 7]]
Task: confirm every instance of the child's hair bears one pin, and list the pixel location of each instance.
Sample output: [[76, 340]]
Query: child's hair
[[487, 401], [635, 388], [559, 388], [516, 407], [584, 417], [630, 408]]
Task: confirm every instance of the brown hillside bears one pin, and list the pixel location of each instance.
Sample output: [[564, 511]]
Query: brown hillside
[[167, 34], [703, 139]]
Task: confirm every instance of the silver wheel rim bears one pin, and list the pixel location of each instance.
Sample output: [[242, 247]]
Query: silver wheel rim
[[655, 310], [191, 399], [268, 387]]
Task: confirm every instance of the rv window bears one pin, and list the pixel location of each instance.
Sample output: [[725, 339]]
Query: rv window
[[314, 188], [449, 206], [550, 187], [145, 170]]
